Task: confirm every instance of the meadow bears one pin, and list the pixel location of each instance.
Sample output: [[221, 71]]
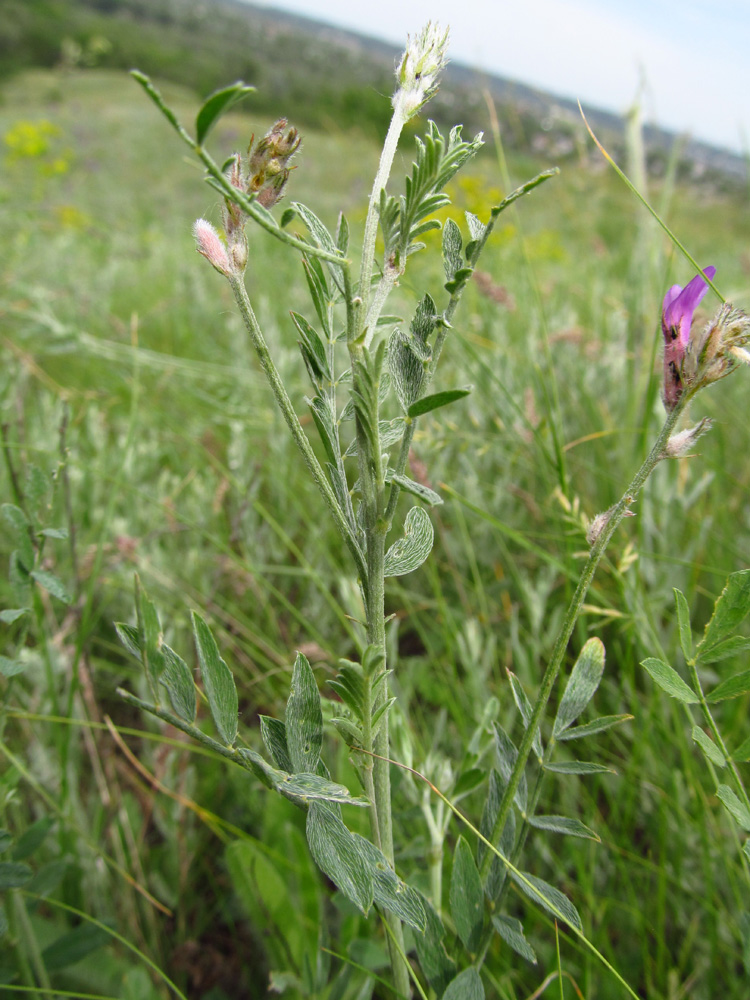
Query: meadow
[[138, 426]]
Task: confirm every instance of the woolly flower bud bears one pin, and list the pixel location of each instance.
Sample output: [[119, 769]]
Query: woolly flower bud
[[716, 350], [419, 68], [209, 244], [679, 445]]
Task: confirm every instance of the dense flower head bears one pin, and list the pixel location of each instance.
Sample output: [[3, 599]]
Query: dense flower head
[[419, 68], [676, 321]]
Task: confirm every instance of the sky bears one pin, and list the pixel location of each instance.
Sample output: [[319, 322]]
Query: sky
[[686, 61]]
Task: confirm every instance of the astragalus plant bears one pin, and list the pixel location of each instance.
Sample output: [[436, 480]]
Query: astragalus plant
[[372, 380]]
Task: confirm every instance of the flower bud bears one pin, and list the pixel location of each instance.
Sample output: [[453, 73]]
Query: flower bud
[[715, 351], [680, 444], [209, 244]]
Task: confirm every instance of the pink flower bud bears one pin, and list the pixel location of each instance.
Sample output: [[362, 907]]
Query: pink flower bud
[[209, 244]]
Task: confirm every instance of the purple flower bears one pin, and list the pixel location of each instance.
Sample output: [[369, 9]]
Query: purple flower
[[676, 320]]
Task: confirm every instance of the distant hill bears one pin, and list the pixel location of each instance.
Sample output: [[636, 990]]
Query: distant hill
[[316, 73]]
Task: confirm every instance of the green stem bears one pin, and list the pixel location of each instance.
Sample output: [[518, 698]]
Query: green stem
[[300, 438], [697, 687], [615, 515]]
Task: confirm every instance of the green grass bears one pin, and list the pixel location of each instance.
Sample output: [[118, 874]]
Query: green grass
[[179, 467]]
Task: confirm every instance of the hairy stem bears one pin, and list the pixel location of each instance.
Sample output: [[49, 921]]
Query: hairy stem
[[300, 438]]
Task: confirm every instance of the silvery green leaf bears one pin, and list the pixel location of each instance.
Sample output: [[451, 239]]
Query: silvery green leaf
[[683, 623], [422, 326], [273, 732], [669, 680], [321, 408], [6, 839], [313, 787], [410, 551], [506, 760], [149, 638], [313, 351], [452, 243], [319, 292], [582, 683], [734, 806], [426, 404], [406, 368], [498, 871], [416, 489], [466, 897], [549, 898], [732, 687], [563, 824], [52, 584], [590, 728], [433, 958], [322, 239], [178, 680], [476, 226], [217, 681], [216, 105], [129, 637], [524, 707], [337, 853], [349, 685], [511, 931], [709, 748], [304, 718], [391, 432], [730, 609], [578, 767], [390, 892], [342, 234], [466, 986], [19, 528]]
